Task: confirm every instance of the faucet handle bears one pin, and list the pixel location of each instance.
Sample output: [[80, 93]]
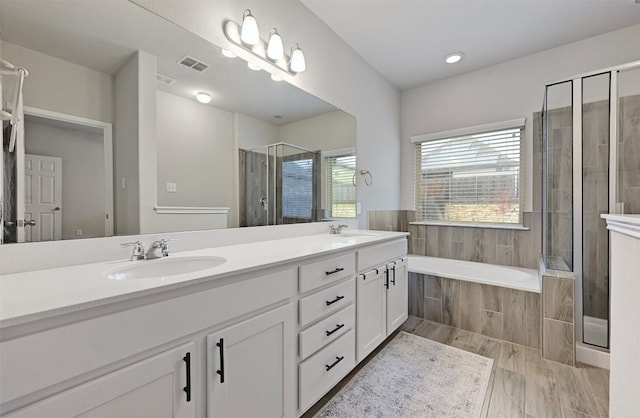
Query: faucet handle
[[164, 245], [138, 249]]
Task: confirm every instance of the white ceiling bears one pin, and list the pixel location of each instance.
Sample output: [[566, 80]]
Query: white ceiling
[[406, 40], [104, 34]]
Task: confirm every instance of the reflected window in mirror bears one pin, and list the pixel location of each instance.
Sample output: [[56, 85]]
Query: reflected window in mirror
[[340, 188]]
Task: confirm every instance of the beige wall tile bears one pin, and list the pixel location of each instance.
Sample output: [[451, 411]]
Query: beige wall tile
[[433, 309], [491, 298], [432, 287], [470, 297], [491, 324], [558, 341], [513, 305], [451, 302], [557, 298], [532, 321], [416, 294]]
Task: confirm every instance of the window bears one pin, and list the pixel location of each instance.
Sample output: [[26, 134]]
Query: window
[[469, 177], [340, 191], [297, 188]]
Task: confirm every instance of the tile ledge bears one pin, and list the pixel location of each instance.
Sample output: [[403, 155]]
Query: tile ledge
[[473, 225]]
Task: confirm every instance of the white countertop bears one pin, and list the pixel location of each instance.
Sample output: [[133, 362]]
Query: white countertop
[[40, 294], [624, 224]]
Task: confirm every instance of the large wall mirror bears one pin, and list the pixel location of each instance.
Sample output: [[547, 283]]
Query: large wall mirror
[[111, 91]]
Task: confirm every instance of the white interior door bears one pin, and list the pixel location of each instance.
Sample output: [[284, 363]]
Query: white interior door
[[42, 198]]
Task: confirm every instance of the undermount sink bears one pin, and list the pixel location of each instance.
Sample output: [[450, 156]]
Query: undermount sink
[[358, 234], [164, 267]]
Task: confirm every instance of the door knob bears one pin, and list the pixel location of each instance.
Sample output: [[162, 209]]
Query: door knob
[[56, 208], [31, 222]]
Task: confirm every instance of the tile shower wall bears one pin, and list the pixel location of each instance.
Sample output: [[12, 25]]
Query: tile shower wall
[[558, 317], [506, 314], [629, 153]]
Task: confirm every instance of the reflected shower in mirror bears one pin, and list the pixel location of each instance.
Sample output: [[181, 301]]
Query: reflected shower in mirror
[[114, 142]]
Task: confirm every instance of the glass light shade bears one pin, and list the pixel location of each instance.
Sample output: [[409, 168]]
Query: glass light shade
[[298, 64], [254, 67], [203, 97], [249, 31], [275, 49], [228, 53], [275, 77]]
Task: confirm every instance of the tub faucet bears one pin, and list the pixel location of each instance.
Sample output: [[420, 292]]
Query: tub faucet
[[333, 229], [159, 249]]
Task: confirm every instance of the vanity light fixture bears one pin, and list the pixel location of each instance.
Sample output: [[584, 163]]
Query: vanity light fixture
[[249, 32], [275, 49], [271, 54], [203, 97], [454, 57]]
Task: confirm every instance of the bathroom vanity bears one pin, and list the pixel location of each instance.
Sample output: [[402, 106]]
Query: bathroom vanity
[[266, 332]]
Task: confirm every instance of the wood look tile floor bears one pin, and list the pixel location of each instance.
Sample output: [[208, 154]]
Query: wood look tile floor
[[522, 383]]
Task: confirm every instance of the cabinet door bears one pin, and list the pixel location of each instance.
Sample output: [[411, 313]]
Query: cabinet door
[[251, 367], [397, 295], [156, 387], [371, 310]]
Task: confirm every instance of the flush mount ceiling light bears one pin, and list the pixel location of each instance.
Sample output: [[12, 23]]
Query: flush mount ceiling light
[[275, 49], [249, 32], [454, 57], [272, 57], [203, 97]]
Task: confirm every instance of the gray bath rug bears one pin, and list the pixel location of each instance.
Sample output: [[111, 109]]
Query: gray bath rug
[[415, 377]]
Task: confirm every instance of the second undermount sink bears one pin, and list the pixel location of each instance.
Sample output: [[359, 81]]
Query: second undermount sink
[[164, 267]]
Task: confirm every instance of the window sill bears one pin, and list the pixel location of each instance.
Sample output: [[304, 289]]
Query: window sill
[[516, 227]]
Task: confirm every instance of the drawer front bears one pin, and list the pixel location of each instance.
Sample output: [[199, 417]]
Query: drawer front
[[323, 272], [375, 255], [323, 370], [314, 338], [327, 301]]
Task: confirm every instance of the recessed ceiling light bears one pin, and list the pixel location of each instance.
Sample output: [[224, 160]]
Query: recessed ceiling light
[[228, 53], [203, 97], [454, 57]]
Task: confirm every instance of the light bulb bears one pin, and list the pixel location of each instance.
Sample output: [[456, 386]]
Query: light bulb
[[249, 31], [298, 64], [453, 58], [203, 97], [275, 49]]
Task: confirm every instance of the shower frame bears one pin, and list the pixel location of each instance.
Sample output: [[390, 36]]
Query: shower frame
[[577, 187]]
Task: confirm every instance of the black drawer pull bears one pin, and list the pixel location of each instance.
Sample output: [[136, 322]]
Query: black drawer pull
[[187, 389], [337, 270], [337, 299], [335, 329], [221, 371], [393, 281], [331, 366], [386, 278]]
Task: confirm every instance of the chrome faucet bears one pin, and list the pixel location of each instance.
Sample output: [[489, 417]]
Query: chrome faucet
[[138, 250], [333, 229], [159, 249]]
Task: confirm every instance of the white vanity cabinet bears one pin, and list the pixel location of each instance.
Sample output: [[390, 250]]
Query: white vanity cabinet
[[382, 294], [158, 387], [248, 372]]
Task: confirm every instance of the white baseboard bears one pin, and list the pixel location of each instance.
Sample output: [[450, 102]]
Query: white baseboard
[[591, 356]]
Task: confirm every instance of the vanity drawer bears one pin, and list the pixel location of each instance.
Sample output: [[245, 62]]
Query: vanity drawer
[[327, 301], [324, 369], [327, 330], [323, 272], [375, 255]]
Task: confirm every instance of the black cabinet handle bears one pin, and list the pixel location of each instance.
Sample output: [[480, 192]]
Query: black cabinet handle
[[332, 365], [386, 278], [187, 389], [337, 299], [393, 281], [220, 344], [335, 329], [337, 270]]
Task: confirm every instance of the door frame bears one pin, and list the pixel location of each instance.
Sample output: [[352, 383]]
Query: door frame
[[107, 132]]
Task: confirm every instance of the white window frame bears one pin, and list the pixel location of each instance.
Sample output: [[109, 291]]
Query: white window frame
[[341, 152], [467, 131]]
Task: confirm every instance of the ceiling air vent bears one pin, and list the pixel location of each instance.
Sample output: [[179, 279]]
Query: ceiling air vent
[[164, 79], [193, 63]]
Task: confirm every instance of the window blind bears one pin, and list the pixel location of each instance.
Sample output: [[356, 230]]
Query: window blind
[[340, 191], [471, 178], [297, 188]]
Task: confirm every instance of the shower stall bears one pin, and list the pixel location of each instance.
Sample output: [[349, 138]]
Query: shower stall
[[590, 166], [279, 184]]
